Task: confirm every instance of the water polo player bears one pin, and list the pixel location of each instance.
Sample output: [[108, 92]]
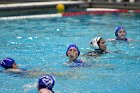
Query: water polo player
[[46, 84], [120, 34], [10, 65], [99, 46], [73, 53]]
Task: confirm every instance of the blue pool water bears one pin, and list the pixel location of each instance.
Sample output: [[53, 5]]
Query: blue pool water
[[40, 45]]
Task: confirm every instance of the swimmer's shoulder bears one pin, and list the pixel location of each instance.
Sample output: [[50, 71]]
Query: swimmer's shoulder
[[15, 70], [78, 61], [67, 63], [70, 64], [130, 39]]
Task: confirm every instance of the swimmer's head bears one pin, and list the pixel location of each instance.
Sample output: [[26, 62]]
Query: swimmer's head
[[98, 43], [118, 29], [7, 63], [74, 47], [94, 43], [46, 82]]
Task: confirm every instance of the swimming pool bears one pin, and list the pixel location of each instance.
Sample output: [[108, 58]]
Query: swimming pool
[[40, 44]]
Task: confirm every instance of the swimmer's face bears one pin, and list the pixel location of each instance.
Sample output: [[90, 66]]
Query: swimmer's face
[[15, 66], [73, 52], [122, 34], [44, 90], [102, 44]]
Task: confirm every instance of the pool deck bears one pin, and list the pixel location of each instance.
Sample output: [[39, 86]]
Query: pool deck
[[39, 4], [123, 5], [116, 5], [27, 8]]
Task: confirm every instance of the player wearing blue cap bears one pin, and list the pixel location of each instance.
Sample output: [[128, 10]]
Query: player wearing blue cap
[[120, 34], [73, 53], [10, 65], [46, 84]]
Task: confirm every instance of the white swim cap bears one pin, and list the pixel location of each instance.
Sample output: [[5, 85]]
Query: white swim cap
[[94, 43]]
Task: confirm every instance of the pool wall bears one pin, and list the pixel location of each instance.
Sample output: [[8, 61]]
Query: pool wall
[[121, 5]]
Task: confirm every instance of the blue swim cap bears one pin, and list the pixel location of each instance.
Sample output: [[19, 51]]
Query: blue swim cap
[[70, 46], [118, 29], [7, 63], [46, 82]]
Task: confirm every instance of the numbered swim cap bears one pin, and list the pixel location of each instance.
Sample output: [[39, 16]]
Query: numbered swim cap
[[73, 46], [46, 82], [118, 29], [7, 63], [94, 43]]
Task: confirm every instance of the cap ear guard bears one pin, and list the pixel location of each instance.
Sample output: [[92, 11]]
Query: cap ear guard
[[7, 63], [46, 82], [94, 43], [70, 46]]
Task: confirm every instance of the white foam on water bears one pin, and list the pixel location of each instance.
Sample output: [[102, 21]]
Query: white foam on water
[[29, 87]]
